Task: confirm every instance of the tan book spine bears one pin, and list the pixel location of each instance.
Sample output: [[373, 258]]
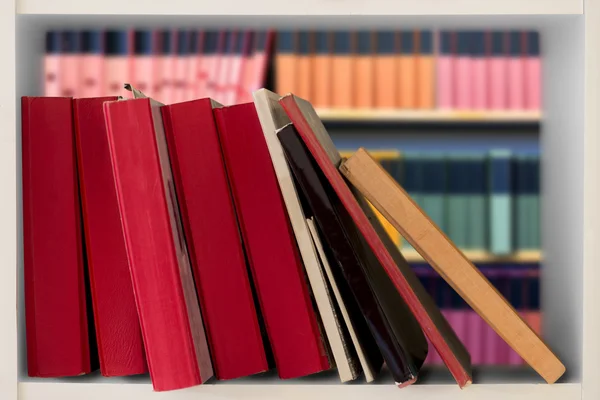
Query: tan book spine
[[425, 71], [304, 59], [285, 63], [386, 71], [407, 68], [364, 71], [322, 71], [343, 67], [435, 247]]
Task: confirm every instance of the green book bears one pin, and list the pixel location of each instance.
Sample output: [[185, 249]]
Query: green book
[[457, 199], [501, 204], [412, 182], [477, 216], [434, 188]]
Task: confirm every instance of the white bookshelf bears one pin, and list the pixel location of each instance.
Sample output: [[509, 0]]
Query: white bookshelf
[[570, 143]]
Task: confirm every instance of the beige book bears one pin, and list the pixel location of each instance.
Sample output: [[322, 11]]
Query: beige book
[[435, 247], [272, 117]]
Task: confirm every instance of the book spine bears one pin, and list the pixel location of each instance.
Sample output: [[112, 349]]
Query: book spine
[[445, 67], [425, 98], [498, 72], [343, 90], [412, 181], [90, 83], [209, 63], [516, 70], [246, 80], [143, 74], [515, 295], [285, 63], [52, 58], [500, 202], [165, 67], [198, 73], [304, 67], [434, 188], [180, 70], [480, 71], [116, 62], [192, 65], [364, 68], [386, 71], [70, 63], [464, 72], [522, 203], [407, 68], [322, 67], [457, 209], [235, 57], [535, 212], [262, 53], [477, 226], [533, 72]]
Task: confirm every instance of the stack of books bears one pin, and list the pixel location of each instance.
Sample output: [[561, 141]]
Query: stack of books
[[194, 240]]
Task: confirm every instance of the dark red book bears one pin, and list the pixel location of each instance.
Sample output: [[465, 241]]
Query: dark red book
[[120, 345], [434, 325], [213, 238], [278, 273], [172, 328], [56, 314]]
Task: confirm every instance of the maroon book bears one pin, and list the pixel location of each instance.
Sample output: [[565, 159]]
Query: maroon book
[[55, 293], [214, 242], [172, 328], [120, 346], [278, 273]]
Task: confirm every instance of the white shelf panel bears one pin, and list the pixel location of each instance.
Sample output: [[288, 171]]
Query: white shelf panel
[[93, 391], [306, 7]]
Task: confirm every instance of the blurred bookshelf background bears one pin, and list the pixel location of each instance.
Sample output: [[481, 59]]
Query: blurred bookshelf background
[[453, 116]]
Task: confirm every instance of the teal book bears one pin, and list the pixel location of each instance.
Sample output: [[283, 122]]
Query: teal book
[[457, 199], [412, 182], [477, 216], [434, 188], [534, 208], [501, 205]]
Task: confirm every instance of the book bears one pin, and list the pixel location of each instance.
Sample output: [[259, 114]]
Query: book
[[500, 202], [477, 203], [285, 62], [364, 76], [342, 83], [315, 136], [56, 312], [69, 63], [172, 328], [322, 70], [262, 52], [372, 181], [398, 336], [211, 230], [516, 70], [181, 66], [463, 72], [272, 118], [407, 68], [209, 64], [498, 71], [445, 71], [52, 58], [165, 67], [247, 74], [433, 187], [118, 332], [480, 71], [368, 355], [386, 71], [143, 71], [92, 62], [533, 72], [457, 200], [425, 97], [291, 322], [116, 61], [236, 64], [304, 70]]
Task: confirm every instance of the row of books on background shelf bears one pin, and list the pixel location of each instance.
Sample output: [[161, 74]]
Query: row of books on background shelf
[[412, 70], [224, 241], [170, 65], [486, 202]]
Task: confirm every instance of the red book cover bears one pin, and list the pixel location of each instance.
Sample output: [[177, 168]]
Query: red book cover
[[278, 273], [55, 294], [435, 327], [118, 333], [211, 229], [163, 285]]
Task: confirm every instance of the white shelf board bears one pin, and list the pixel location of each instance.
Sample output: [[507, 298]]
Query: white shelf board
[[306, 7], [98, 391]]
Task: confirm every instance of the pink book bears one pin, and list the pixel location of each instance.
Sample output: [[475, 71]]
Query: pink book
[[498, 67], [516, 70], [164, 67], [180, 73], [480, 72], [52, 64], [198, 73], [116, 62], [445, 64], [207, 66], [463, 78], [91, 75], [475, 337], [244, 94], [192, 69], [260, 59], [70, 63], [226, 55], [236, 64], [143, 71], [533, 72]]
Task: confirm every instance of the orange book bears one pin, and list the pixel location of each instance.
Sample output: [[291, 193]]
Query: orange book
[[342, 64], [304, 65], [364, 71], [285, 63], [407, 61], [425, 70], [386, 71], [322, 71]]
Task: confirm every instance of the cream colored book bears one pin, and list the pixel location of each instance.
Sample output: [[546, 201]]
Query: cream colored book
[[272, 117], [364, 361], [435, 247]]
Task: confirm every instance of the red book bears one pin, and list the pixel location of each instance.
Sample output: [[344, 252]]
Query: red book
[[163, 285], [432, 322], [214, 242], [278, 273], [55, 294], [120, 344]]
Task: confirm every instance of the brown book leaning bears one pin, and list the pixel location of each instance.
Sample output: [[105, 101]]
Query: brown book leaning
[[406, 216]]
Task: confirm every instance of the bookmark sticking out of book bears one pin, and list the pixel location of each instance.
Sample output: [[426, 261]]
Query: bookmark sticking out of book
[[416, 227], [438, 331]]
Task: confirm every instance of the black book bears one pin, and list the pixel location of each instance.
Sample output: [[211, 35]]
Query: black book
[[396, 331]]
